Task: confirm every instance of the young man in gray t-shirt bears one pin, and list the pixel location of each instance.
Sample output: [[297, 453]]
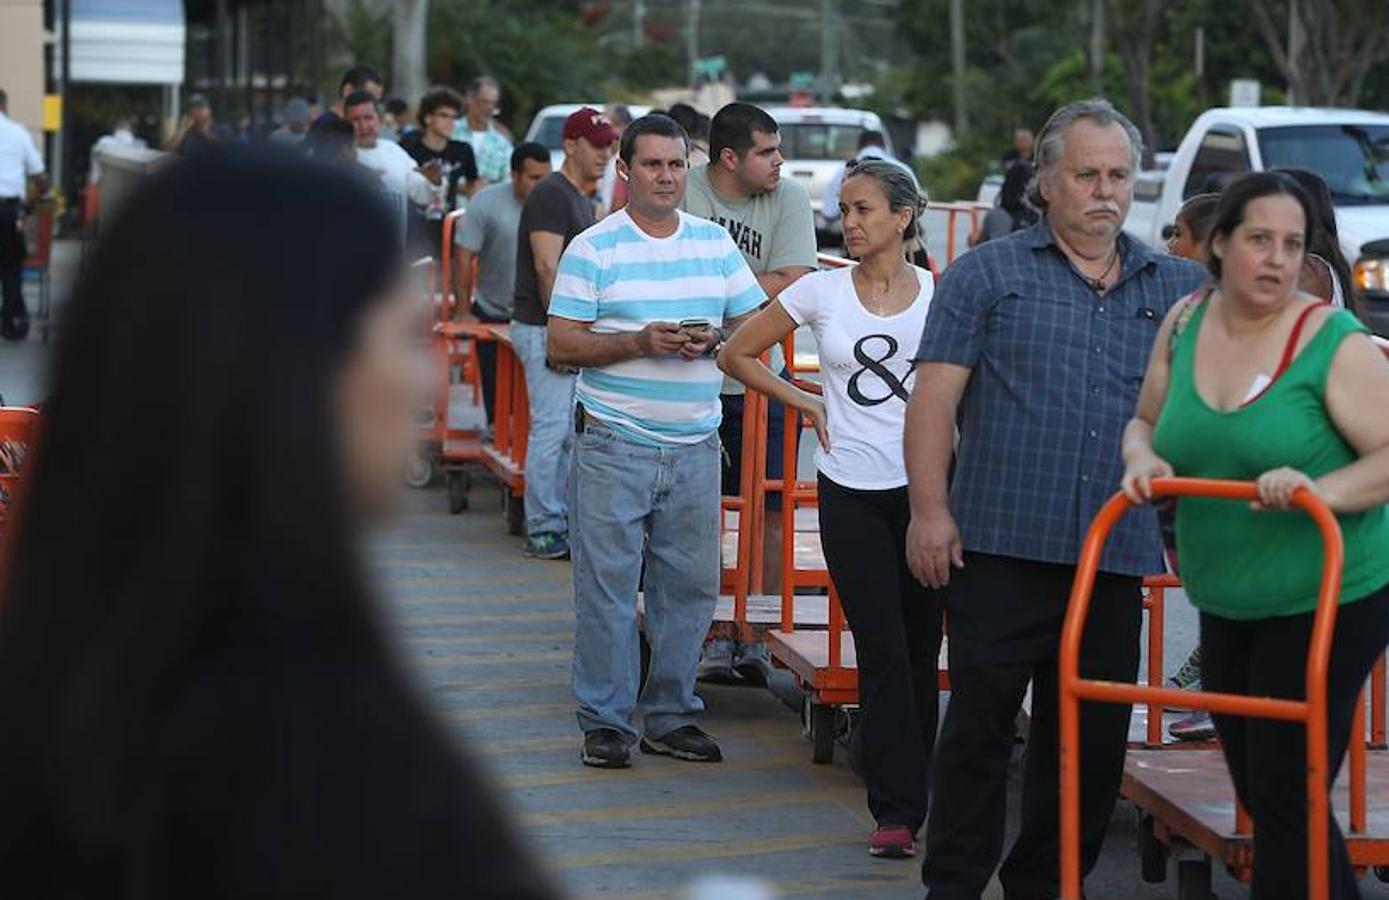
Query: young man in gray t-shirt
[[488, 238], [771, 221]]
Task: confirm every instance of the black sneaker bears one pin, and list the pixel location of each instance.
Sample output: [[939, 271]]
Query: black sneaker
[[688, 743], [606, 748]]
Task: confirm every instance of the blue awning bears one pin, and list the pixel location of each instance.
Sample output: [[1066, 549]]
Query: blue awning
[[126, 41], [142, 12]]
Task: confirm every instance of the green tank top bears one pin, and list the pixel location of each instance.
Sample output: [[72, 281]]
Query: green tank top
[[1241, 564]]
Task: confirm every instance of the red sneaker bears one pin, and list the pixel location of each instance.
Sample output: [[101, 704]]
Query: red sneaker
[[892, 842]]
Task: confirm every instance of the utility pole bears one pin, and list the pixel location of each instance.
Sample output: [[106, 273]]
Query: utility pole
[[1296, 41], [692, 41], [957, 65], [1097, 47], [638, 20], [829, 49], [408, 52]]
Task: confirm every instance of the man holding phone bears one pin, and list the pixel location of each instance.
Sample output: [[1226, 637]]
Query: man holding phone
[[641, 303]]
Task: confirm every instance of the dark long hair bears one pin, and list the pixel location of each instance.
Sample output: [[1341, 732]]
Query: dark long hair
[[1324, 240], [192, 677]]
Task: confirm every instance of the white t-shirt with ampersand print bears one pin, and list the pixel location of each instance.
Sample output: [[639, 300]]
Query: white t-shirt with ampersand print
[[867, 373]]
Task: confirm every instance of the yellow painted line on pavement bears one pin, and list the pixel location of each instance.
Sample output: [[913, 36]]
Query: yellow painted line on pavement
[[468, 577], [686, 851], [410, 640], [669, 810], [463, 660], [654, 771], [466, 616], [523, 711]]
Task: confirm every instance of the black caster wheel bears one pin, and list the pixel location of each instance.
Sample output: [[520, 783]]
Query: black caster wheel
[[819, 726], [1194, 879], [515, 514], [1382, 873], [458, 485], [1152, 852]]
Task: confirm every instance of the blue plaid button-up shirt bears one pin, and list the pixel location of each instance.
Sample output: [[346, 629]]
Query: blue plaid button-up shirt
[[1055, 373]]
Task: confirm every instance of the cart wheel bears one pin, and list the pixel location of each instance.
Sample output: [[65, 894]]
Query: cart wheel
[[1382, 873], [1194, 879], [458, 484], [515, 513], [820, 726], [420, 470], [1152, 852]]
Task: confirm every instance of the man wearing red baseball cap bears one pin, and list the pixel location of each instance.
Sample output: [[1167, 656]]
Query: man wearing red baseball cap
[[558, 208]]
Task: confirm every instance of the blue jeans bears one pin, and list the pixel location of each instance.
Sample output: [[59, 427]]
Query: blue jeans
[[631, 502], [551, 396]]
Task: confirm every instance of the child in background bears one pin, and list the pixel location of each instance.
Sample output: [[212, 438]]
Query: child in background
[[1188, 236]]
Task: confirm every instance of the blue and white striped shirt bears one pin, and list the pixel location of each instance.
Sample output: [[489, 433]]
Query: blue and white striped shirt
[[620, 278]]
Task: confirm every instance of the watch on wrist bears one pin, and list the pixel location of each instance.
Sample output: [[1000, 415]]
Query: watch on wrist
[[715, 347]]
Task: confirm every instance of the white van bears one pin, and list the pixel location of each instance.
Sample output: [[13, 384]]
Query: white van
[[547, 127], [817, 141]]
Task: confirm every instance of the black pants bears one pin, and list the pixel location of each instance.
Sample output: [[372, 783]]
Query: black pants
[[897, 627], [1004, 618], [11, 262], [487, 362], [1268, 759]]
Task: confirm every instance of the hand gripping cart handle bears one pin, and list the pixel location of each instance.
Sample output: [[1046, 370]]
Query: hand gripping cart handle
[[1311, 712]]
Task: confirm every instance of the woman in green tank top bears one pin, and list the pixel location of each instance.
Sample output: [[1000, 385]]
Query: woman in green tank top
[[1253, 380]]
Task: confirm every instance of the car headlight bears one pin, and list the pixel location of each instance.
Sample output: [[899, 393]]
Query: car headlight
[[1372, 276]]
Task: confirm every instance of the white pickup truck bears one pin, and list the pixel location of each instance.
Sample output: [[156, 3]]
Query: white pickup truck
[[1349, 148]]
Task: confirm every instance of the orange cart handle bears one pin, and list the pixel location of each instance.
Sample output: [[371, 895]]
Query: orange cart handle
[[1312, 711]]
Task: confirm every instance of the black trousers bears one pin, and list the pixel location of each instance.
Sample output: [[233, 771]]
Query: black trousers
[[897, 628], [487, 362], [11, 262], [1267, 759], [1004, 617]]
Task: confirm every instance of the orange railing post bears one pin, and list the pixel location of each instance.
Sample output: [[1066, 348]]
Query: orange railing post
[[1312, 710]]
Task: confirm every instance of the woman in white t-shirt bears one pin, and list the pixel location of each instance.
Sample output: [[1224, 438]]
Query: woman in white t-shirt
[[867, 320]]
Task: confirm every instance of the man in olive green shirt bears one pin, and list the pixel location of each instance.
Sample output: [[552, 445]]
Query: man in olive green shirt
[[770, 219]]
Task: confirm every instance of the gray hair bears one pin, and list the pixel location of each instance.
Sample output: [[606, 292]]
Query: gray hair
[[483, 81], [898, 186], [1053, 137]]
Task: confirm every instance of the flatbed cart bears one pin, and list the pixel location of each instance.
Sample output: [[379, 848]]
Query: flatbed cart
[[445, 447], [505, 456], [1186, 799], [38, 238]]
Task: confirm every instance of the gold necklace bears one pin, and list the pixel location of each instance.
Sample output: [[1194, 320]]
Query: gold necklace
[[874, 303]]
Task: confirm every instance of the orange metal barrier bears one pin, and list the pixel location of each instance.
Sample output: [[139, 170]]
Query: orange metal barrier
[[505, 457], [1312, 711], [19, 428]]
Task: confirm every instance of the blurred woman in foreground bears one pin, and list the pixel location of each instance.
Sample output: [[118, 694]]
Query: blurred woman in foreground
[[196, 694]]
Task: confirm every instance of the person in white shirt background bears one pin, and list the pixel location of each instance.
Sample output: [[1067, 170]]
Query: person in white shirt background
[[21, 168], [401, 179], [871, 145], [122, 135], [867, 321]]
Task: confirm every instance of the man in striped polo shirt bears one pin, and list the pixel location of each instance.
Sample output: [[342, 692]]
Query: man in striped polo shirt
[[641, 303]]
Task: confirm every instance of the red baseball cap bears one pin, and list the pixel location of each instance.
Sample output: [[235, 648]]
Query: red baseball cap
[[590, 124]]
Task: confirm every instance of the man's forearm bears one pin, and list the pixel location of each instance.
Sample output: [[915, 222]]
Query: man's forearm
[[544, 285], [773, 283], [928, 445], [583, 348]]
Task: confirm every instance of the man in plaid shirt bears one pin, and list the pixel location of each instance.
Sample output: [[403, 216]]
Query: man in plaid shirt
[[1035, 345], [491, 148]]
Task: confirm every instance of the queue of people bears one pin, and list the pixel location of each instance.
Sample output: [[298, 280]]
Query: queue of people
[[969, 431]]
